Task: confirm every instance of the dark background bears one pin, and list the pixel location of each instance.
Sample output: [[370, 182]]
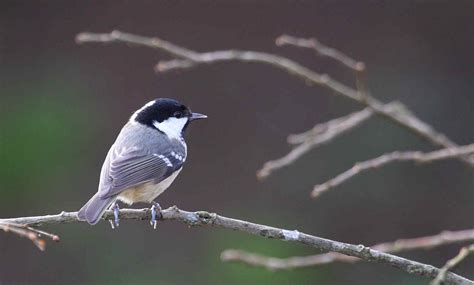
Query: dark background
[[62, 104]]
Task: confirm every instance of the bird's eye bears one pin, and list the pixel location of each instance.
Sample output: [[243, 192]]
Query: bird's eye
[[178, 114]]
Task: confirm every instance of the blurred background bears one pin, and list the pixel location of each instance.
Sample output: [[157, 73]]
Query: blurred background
[[62, 105]]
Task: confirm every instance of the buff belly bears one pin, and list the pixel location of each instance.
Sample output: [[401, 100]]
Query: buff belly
[[146, 192]]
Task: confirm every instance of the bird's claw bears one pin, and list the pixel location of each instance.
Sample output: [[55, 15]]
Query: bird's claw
[[155, 213], [115, 223]]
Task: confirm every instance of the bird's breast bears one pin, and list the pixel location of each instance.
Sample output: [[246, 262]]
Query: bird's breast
[[147, 192]]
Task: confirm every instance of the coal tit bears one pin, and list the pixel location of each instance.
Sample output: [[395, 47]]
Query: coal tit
[[146, 157]]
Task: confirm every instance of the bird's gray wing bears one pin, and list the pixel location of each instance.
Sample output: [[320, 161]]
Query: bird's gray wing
[[132, 167]]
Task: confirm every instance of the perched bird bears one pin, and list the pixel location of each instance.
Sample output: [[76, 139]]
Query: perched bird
[[146, 157]]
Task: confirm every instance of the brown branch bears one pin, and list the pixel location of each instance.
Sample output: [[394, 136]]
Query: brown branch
[[189, 58], [203, 218], [28, 232], [401, 245], [356, 118], [453, 263], [319, 135], [321, 49], [397, 156]]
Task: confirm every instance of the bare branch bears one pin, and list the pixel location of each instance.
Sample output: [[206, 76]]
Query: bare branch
[[321, 49], [203, 218], [317, 136], [401, 245], [155, 43], [28, 232], [397, 156], [452, 263], [355, 118], [189, 58], [325, 132]]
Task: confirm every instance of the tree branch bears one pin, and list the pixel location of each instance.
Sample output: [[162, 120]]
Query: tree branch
[[397, 156], [319, 135], [189, 58], [355, 118], [28, 232], [401, 245], [322, 50], [453, 263], [203, 218]]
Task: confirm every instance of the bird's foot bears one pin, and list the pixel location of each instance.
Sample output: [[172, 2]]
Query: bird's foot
[[115, 223], [155, 214]]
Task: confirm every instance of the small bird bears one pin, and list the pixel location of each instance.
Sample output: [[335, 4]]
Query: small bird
[[145, 159]]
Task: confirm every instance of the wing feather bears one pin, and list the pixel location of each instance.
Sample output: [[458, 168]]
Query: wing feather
[[132, 167]]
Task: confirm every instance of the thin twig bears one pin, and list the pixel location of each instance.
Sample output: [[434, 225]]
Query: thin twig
[[189, 58], [28, 232], [203, 218], [453, 263], [323, 50], [401, 245], [319, 135], [320, 49], [356, 118], [397, 156]]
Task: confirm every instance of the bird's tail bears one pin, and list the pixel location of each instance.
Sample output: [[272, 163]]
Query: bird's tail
[[93, 210]]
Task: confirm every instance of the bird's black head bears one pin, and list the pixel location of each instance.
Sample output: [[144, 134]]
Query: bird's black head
[[166, 115]]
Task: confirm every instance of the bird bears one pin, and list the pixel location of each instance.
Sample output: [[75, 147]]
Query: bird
[[144, 160]]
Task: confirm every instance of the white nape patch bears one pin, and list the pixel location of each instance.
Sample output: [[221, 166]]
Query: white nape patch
[[291, 235], [134, 116], [165, 159], [172, 127]]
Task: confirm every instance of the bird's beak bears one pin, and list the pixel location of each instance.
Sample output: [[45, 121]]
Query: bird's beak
[[197, 116]]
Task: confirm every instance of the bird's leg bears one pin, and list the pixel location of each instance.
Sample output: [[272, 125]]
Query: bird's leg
[[155, 213], [115, 224]]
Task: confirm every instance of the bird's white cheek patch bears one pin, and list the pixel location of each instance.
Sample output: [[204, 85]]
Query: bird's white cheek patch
[[172, 127]]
